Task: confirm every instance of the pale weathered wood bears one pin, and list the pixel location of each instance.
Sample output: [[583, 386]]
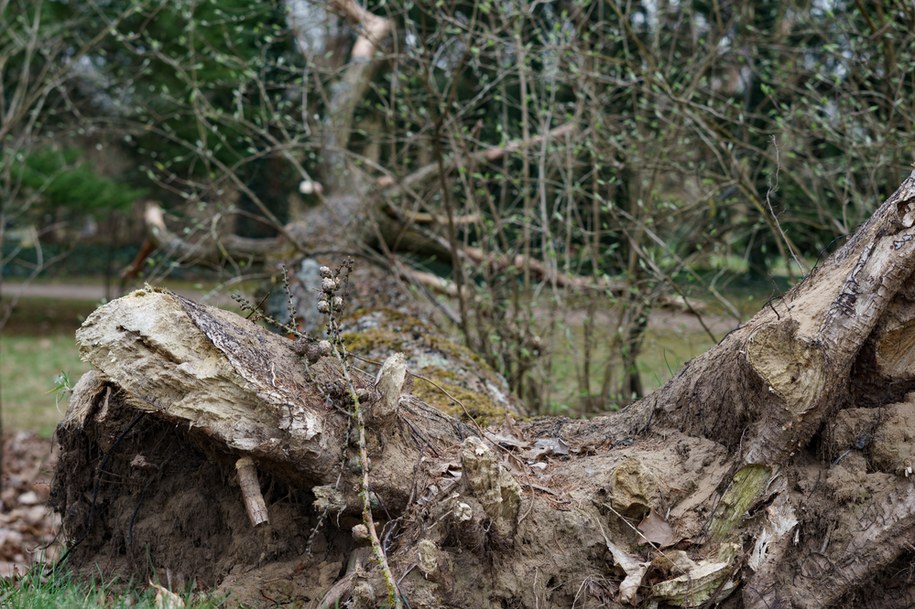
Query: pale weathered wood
[[213, 371]]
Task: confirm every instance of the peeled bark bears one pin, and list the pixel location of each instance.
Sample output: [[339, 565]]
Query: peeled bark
[[772, 471]]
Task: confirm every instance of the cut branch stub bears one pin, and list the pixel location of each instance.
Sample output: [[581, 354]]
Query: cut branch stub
[[894, 340], [389, 385], [251, 491], [895, 352], [793, 368]]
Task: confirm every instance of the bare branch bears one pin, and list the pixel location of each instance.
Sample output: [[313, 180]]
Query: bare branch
[[431, 281], [349, 91], [493, 153], [419, 217], [373, 28], [209, 250]]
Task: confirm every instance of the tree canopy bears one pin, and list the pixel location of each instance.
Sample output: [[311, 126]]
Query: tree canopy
[[692, 139]]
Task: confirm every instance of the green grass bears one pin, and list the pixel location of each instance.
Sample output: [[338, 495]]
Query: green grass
[[664, 351], [31, 365], [59, 590], [36, 346]]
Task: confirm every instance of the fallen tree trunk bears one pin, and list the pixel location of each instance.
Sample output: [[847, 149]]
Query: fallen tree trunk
[[773, 471]]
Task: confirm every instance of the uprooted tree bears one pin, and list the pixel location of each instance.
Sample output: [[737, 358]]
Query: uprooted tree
[[772, 471]]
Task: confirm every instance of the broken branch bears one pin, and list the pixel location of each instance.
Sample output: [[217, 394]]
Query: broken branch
[[206, 250]]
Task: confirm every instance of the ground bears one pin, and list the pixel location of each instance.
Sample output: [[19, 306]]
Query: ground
[[27, 527]]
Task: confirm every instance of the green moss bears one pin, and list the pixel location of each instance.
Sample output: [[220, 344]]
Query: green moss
[[390, 317], [401, 332], [395, 331], [454, 350], [746, 485], [440, 374], [370, 340], [473, 404]]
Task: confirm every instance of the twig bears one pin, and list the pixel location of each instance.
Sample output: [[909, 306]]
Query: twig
[[773, 188], [331, 304]]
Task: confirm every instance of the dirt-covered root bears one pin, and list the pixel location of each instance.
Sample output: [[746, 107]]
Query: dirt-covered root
[[145, 499], [506, 521], [655, 521], [855, 503], [552, 524], [528, 516]]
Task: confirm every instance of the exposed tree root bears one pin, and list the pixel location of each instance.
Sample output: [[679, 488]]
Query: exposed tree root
[[752, 479]]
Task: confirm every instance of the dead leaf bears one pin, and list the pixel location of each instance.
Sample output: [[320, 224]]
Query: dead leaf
[[166, 599], [634, 569], [656, 530], [504, 439], [547, 446], [509, 426]]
